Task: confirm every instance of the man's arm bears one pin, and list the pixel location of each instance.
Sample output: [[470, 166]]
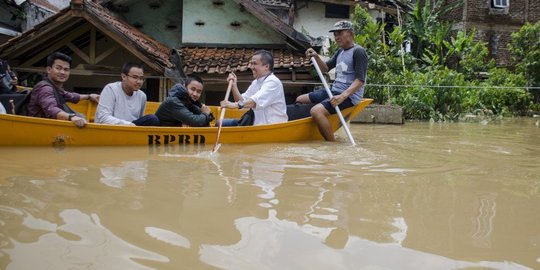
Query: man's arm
[[355, 86], [76, 120], [182, 114], [91, 97], [322, 65], [46, 101], [236, 93]]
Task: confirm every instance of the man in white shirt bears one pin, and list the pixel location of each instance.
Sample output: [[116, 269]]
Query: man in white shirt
[[122, 103], [264, 96]]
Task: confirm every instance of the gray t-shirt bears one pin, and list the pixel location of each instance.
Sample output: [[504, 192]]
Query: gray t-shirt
[[117, 108], [350, 64]]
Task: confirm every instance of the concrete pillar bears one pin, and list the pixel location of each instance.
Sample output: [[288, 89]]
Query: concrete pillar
[[380, 114]]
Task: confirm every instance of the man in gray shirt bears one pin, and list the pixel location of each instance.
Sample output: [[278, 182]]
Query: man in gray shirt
[[351, 63], [123, 103]]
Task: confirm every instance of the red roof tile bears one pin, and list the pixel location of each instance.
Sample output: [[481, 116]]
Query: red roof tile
[[145, 43], [157, 54], [223, 60]]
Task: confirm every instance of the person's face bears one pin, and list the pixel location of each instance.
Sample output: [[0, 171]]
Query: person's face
[[344, 38], [59, 71], [257, 67], [195, 89], [134, 80]]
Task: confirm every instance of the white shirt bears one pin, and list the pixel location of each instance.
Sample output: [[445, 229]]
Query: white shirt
[[117, 108], [267, 92]]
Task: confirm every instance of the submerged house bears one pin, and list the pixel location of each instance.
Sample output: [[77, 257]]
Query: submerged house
[[180, 40], [175, 38], [494, 21], [99, 44], [216, 37]]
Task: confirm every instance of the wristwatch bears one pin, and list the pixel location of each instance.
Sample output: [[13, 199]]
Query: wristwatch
[[240, 104], [71, 115]]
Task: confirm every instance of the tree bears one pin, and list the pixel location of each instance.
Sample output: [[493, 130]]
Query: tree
[[525, 50]]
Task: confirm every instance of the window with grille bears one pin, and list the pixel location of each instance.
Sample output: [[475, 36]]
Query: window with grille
[[500, 3]]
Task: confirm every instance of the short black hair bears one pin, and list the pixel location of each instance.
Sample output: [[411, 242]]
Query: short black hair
[[58, 55], [266, 58], [128, 66], [191, 78]]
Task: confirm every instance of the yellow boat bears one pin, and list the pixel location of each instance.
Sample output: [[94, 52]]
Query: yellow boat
[[22, 130]]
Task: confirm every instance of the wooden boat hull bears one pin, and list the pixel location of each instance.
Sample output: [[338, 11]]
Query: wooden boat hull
[[22, 130]]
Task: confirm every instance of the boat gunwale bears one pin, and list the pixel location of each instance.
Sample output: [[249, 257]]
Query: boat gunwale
[[288, 124]]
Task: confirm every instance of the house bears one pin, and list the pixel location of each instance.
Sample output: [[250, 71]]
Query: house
[[176, 38], [217, 37], [495, 21], [99, 43]]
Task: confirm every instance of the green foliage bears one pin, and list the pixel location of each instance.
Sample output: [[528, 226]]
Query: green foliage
[[425, 100], [468, 56], [447, 75], [504, 100], [525, 50]]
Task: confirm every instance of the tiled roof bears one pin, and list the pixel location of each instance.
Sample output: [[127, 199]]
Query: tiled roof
[[145, 43], [155, 53], [223, 60]]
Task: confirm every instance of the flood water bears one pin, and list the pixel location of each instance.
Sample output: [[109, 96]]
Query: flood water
[[417, 196]]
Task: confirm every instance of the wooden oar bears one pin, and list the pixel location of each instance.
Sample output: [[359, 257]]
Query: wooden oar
[[338, 111], [221, 116]]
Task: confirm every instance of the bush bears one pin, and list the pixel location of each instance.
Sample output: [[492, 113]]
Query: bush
[[444, 76], [426, 100], [525, 50]]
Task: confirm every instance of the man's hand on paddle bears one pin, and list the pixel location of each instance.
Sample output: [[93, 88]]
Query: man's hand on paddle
[[234, 90], [232, 77], [311, 53]]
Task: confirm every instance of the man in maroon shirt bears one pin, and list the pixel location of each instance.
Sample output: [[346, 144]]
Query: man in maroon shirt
[[48, 98]]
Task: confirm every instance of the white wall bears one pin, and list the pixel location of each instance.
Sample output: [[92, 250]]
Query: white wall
[[312, 20], [217, 28]]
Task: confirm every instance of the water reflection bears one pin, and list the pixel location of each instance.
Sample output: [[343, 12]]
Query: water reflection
[[484, 221], [280, 244], [417, 196], [77, 240], [116, 176]]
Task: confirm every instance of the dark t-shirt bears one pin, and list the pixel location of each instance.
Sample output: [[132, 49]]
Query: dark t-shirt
[[350, 64]]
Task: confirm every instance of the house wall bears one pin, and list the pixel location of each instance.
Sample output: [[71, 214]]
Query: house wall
[[163, 23], [311, 19], [217, 27], [495, 26]]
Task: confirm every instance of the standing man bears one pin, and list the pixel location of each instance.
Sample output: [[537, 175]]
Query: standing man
[[123, 103], [48, 98], [351, 62], [265, 94], [183, 108]]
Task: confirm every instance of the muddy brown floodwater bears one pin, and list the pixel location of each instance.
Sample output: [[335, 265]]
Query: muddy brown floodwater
[[417, 196]]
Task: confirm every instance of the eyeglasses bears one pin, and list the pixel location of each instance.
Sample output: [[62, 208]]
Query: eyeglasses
[[136, 78]]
